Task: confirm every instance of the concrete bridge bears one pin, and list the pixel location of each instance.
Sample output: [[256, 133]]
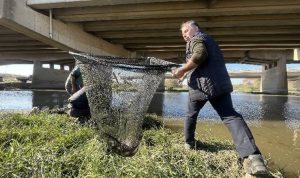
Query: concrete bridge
[[252, 32], [291, 75]]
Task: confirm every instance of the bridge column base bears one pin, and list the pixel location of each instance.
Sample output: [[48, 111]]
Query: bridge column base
[[161, 86], [48, 78], [274, 78], [297, 85]]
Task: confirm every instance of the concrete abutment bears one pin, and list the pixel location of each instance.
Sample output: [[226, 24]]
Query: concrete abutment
[[297, 86], [48, 78], [161, 86], [274, 78]]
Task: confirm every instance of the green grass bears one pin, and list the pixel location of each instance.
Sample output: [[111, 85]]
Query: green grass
[[49, 145], [123, 87]]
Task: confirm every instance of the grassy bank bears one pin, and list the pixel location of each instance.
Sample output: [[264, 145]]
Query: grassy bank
[[50, 145]]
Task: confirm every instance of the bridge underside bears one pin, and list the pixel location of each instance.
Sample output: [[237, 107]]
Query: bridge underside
[[253, 32]]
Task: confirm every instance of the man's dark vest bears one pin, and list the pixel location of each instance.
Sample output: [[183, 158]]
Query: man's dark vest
[[210, 78]]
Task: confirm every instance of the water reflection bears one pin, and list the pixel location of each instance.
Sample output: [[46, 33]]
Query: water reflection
[[273, 107], [291, 107], [26, 99], [169, 104], [15, 100], [253, 107], [51, 98]]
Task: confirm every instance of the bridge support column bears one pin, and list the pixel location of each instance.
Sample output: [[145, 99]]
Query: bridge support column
[[298, 84], [274, 78], [48, 78], [161, 86]]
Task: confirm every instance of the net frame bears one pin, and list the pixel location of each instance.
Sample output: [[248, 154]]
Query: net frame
[[134, 64]]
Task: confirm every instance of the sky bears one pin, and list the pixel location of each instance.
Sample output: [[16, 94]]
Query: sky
[[19, 69], [26, 69]]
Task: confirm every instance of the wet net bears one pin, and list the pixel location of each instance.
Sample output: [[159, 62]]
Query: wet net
[[119, 91]]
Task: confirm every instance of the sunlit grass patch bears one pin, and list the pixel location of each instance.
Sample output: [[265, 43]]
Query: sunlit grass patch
[[50, 145]]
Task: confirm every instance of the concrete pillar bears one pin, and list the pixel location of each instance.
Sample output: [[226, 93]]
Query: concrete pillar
[[51, 66], [71, 67], [161, 86], [157, 104], [297, 54], [274, 78], [298, 84], [48, 78]]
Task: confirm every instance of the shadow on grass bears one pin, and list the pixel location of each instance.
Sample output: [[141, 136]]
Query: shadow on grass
[[212, 146], [259, 176]]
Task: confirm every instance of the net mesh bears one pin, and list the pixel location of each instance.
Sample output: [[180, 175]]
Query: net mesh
[[119, 91]]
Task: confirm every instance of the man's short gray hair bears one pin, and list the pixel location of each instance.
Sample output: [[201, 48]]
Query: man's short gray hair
[[190, 22]]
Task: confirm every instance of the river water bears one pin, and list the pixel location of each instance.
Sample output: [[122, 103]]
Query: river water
[[273, 119]]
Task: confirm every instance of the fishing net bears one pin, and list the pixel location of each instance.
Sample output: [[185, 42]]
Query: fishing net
[[119, 91]]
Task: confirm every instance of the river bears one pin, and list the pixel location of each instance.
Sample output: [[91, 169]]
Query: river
[[273, 119]]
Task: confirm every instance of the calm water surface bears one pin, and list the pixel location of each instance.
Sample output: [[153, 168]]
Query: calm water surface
[[274, 120]]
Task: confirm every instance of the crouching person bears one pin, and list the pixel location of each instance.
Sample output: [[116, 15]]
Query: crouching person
[[78, 102]]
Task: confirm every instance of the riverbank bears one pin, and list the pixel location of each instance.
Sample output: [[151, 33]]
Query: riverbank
[[10, 82], [51, 145], [14, 85]]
